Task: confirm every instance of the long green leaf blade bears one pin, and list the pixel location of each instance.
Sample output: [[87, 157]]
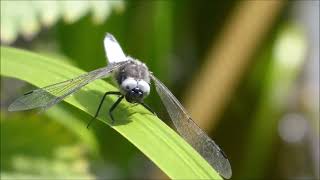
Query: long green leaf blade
[[148, 133]]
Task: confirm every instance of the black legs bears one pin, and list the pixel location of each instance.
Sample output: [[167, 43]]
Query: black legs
[[114, 106], [147, 107], [101, 102]]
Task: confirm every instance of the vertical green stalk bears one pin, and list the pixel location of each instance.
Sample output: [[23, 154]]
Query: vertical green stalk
[[286, 58], [162, 19]]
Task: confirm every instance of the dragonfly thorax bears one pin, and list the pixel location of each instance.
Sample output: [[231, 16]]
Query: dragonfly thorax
[[134, 69]]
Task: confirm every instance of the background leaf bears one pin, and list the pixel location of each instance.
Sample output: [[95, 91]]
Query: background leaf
[[43, 148], [29, 16]]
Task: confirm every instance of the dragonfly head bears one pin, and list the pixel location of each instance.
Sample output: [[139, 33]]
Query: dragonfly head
[[135, 90]]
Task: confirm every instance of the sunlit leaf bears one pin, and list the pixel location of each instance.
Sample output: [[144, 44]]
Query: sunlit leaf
[[148, 133]]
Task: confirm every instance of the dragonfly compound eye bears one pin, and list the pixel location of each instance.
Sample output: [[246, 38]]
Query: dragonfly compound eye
[[129, 84], [144, 87]]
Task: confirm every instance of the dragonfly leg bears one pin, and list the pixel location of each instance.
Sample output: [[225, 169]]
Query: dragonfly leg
[[100, 104], [113, 107], [148, 107]]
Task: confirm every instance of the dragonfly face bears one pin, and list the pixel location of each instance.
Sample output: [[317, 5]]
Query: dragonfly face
[[133, 78]]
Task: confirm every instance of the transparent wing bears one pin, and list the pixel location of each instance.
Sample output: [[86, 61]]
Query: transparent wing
[[191, 132], [113, 49], [51, 95]]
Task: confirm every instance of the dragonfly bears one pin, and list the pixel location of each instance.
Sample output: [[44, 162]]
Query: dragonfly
[[133, 79]]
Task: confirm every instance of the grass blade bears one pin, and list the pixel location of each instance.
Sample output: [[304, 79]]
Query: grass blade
[[148, 133]]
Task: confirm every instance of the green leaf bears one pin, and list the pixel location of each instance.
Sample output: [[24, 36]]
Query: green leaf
[[148, 133]]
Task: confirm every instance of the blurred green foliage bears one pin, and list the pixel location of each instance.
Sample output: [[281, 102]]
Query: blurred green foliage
[[172, 38], [42, 148]]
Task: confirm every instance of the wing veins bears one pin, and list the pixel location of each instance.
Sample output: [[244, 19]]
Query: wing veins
[[50, 95]]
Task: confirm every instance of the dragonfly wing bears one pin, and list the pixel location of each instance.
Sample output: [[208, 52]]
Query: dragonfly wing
[[113, 49], [51, 95], [191, 132]]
